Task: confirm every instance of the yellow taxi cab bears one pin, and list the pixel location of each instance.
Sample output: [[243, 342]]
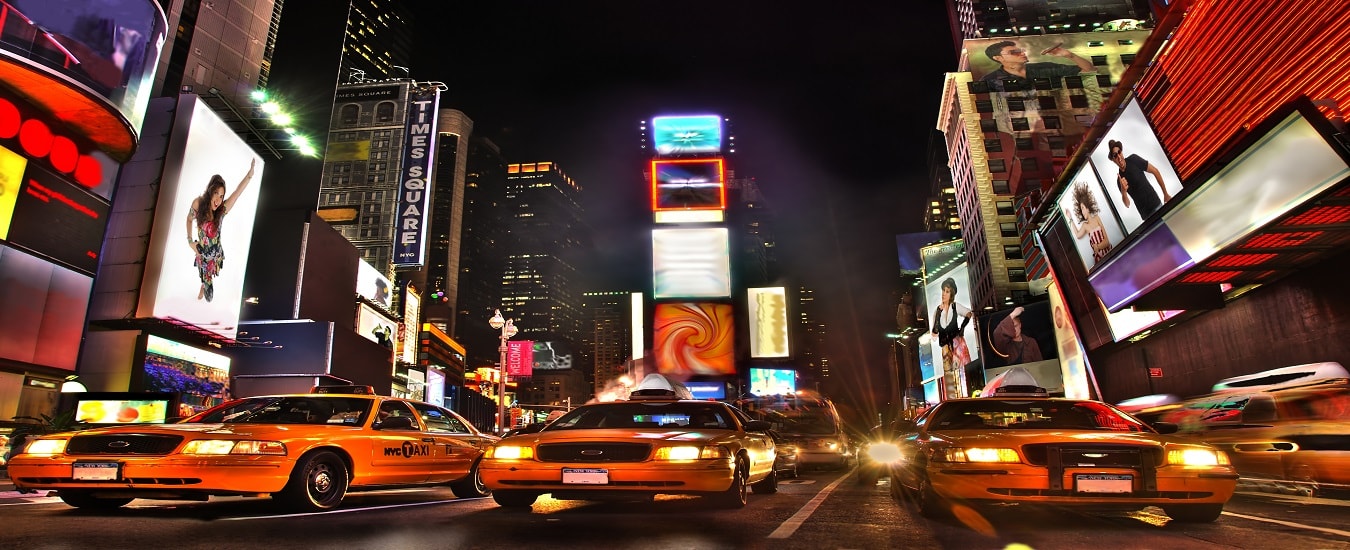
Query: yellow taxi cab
[[659, 441], [1020, 447], [306, 451]]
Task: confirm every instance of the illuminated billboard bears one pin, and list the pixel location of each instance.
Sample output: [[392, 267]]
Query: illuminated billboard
[[125, 407], [201, 378], [691, 263], [952, 324], [372, 284], [408, 336], [1075, 371], [1134, 169], [1016, 62], [414, 191], [693, 134], [1090, 218], [552, 355], [688, 184], [208, 195], [375, 326], [1023, 334], [707, 390], [768, 316], [773, 381], [694, 338]]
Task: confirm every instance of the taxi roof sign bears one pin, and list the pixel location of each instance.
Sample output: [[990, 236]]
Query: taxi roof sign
[[658, 386], [351, 390]]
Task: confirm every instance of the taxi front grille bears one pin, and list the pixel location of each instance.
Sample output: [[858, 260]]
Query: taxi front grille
[[123, 444], [1106, 456], [594, 452]]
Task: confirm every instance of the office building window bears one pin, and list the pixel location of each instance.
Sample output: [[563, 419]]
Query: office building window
[[1021, 124], [1042, 84], [384, 112], [1017, 275], [1025, 144], [1029, 164], [1001, 187], [988, 125], [984, 105], [1012, 252], [1016, 104], [1078, 101], [1103, 81], [1004, 208], [1127, 59], [1051, 122], [349, 114], [1098, 60], [993, 145], [978, 87], [1075, 82], [1047, 102], [1008, 229], [996, 165]]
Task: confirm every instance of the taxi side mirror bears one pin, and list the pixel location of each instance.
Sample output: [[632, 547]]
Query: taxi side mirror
[[396, 423], [758, 426]]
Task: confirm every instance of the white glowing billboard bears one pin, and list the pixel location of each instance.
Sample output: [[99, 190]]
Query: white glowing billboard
[[691, 263], [208, 196], [412, 321], [768, 316], [376, 326], [372, 284]]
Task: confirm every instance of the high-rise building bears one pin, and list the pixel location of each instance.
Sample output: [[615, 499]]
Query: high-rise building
[[440, 278], [751, 223], [607, 336], [379, 40], [812, 361], [940, 211], [481, 253], [226, 45], [545, 236], [989, 18]]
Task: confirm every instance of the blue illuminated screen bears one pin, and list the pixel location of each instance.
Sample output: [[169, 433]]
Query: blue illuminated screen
[[679, 135]]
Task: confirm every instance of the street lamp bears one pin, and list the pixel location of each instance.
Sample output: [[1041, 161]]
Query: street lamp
[[508, 328]]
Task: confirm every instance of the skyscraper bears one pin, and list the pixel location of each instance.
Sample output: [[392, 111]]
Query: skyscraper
[[481, 253], [225, 45], [606, 339], [379, 40]]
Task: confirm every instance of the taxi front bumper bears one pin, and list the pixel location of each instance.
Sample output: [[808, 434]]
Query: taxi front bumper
[[1022, 483], [175, 474], [663, 477]]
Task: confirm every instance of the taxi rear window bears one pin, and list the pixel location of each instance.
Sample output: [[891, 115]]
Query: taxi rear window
[[315, 409]]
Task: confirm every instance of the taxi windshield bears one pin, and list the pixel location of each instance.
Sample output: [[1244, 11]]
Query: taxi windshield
[[1012, 414], [644, 415], [347, 411]]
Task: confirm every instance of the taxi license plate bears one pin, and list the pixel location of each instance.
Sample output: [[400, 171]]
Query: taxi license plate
[[96, 471], [585, 476], [1103, 483]]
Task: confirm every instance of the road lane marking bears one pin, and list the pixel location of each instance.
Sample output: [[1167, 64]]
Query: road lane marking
[[1291, 524], [790, 526], [348, 510]]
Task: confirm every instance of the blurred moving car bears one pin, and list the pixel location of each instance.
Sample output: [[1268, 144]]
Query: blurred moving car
[[808, 421], [305, 450], [785, 460], [880, 449], [1296, 432], [1012, 449], [659, 441]]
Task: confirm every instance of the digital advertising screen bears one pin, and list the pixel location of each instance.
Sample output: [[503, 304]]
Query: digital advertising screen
[[375, 326], [694, 339], [768, 316], [707, 390], [408, 337], [57, 219], [929, 371], [1051, 56], [208, 196], [1090, 218], [552, 355], [125, 408], [773, 381], [1134, 169], [687, 134], [1073, 362], [1023, 334], [200, 377], [951, 322], [691, 263], [688, 184], [373, 285]]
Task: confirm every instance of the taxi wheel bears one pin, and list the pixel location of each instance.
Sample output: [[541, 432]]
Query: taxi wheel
[[768, 485], [1194, 513], [738, 495], [514, 499], [471, 486], [927, 500], [85, 500], [319, 482]]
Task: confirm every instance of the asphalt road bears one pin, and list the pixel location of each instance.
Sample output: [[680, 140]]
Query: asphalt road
[[820, 510]]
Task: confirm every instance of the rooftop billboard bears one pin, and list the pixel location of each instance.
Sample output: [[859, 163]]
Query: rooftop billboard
[[687, 134], [1015, 62], [693, 184], [691, 263], [694, 339]]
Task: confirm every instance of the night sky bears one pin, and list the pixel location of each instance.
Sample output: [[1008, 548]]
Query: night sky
[[832, 105]]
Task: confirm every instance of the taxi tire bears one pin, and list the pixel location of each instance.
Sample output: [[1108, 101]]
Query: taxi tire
[[471, 486], [1194, 513], [738, 494], [318, 483], [81, 499], [928, 502], [768, 485], [514, 499]]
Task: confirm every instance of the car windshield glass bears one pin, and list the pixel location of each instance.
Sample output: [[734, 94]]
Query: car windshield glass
[[628, 415], [348, 411], [1032, 415]]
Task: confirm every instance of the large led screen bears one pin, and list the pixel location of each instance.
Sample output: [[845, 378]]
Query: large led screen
[[691, 263], [372, 284], [773, 381], [951, 322], [375, 326], [1023, 334], [1073, 362], [688, 184], [552, 355], [59, 220], [768, 318], [930, 375], [1023, 59], [694, 338], [408, 340], [208, 196], [201, 378], [1090, 219], [1133, 167], [125, 408], [695, 134]]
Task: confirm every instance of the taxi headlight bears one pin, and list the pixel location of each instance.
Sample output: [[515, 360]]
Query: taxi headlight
[[1197, 457], [234, 447], [691, 452], [510, 452], [976, 455], [46, 447], [883, 453]]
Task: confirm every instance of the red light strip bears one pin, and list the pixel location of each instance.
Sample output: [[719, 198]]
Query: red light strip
[[1240, 260]]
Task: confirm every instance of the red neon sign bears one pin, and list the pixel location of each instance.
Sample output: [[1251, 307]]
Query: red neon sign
[[37, 140]]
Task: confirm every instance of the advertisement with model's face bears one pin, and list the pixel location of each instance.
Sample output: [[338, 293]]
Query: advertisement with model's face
[[952, 324], [694, 338], [1089, 218], [208, 197], [375, 326], [1023, 59], [1133, 167], [1023, 334]]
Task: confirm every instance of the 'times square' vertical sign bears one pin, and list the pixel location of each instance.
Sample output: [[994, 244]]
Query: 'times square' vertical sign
[[410, 233]]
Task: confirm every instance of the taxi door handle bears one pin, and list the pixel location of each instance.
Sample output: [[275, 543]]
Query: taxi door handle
[[428, 440]]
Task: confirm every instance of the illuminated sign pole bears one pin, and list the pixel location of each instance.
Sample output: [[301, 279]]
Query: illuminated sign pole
[[508, 328], [410, 233]]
